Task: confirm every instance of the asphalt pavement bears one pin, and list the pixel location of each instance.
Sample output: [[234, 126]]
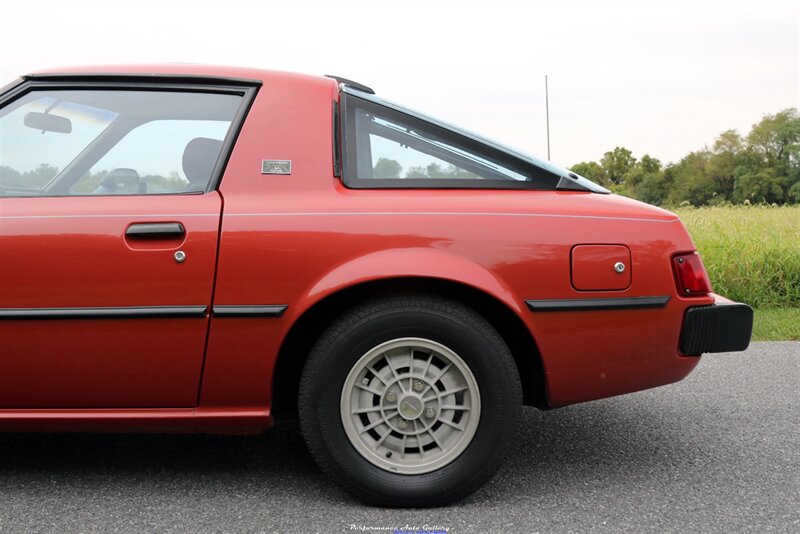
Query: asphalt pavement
[[718, 452]]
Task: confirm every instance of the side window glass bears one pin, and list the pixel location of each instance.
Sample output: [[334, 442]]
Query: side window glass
[[390, 146], [155, 158], [40, 135], [112, 142]]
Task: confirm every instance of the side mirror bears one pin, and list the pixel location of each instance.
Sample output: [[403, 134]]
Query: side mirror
[[47, 122]]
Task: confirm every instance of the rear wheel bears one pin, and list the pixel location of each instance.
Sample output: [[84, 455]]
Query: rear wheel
[[409, 401]]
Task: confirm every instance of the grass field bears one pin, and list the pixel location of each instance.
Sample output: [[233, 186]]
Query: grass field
[[752, 254], [774, 324]]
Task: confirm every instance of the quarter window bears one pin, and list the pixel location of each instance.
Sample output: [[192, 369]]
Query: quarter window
[[387, 148]]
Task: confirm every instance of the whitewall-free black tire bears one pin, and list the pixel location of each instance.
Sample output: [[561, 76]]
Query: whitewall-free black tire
[[409, 401]]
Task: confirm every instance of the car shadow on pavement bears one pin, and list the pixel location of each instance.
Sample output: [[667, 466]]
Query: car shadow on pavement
[[610, 441]]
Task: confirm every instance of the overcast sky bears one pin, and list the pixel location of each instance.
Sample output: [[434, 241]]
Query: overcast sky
[[661, 78]]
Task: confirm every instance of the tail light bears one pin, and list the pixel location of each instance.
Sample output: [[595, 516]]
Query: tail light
[[690, 274]]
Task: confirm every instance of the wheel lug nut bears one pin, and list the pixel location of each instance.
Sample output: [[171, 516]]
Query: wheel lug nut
[[391, 397], [402, 423], [418, 385], [429, 413], [365, 381]]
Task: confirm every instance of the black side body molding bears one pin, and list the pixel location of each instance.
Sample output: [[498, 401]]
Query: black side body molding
[[249, 311], [125, 312], [628, 303]]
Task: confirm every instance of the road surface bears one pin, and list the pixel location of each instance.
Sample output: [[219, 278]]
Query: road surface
[[718, 452]]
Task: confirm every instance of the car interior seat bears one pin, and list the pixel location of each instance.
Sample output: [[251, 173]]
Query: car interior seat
[[199, 157]]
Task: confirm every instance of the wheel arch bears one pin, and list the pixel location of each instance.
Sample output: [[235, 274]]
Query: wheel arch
[[314, 319]]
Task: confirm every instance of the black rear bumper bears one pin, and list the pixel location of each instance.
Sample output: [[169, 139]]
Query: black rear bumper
[[722, 327]]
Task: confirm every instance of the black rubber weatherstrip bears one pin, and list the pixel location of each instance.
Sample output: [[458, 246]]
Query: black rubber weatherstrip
[[250, 311], [148, 78], [124, 312], [628, 303]]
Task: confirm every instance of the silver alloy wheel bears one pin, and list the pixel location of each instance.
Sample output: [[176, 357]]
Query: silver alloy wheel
[[410, 406]]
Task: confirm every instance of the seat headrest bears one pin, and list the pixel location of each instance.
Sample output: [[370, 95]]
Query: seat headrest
[[199, 157]]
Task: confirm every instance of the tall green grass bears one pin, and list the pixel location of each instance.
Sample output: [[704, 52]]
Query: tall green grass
[[752, 253], [776, 324]]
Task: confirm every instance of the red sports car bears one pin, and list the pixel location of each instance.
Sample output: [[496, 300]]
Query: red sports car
[[201, 249]]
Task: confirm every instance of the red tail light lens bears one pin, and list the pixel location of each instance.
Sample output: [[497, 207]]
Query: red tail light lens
[[691, 275]]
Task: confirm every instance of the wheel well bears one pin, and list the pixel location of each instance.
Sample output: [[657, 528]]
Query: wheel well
[[304, 333]]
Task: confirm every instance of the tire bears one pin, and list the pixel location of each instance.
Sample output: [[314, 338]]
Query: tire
[[414, 441]]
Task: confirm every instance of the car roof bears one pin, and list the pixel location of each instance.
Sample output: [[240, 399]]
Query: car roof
[[251, 76], [180, 70]]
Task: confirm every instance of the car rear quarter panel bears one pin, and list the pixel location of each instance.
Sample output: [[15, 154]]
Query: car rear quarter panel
[[295, 239]]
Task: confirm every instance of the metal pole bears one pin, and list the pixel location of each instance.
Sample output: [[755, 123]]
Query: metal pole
[[547, 111]]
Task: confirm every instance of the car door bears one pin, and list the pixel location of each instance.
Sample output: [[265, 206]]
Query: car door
[[108, 236]]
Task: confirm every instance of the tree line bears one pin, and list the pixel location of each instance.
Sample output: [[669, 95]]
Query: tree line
[[761, 167], [36, 179]]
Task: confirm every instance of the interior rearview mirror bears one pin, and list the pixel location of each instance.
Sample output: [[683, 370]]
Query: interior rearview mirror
[[47, 122]]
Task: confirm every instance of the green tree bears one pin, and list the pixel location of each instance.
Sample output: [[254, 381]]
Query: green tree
[[617, 165], [654, 188], [387, 168], [645, 180], [9, 176], [38, 177], [771, 156], [794, 193], [721, 166], [690, 180], [591, 170], [759, 185], [776, 137], [763, 166], [88, 182], [434, 170]]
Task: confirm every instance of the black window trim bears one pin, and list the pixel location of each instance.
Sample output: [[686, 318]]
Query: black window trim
[[539, 179], [247, 89], [554, 177], [156, 78], [337, 148]]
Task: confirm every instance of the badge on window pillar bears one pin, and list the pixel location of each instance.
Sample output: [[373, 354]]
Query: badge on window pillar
[[276, 166]]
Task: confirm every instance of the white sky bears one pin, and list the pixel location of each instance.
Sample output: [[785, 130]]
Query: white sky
[[657, 77]]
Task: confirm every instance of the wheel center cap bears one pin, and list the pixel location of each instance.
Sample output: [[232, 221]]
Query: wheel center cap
[[410, 407]]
